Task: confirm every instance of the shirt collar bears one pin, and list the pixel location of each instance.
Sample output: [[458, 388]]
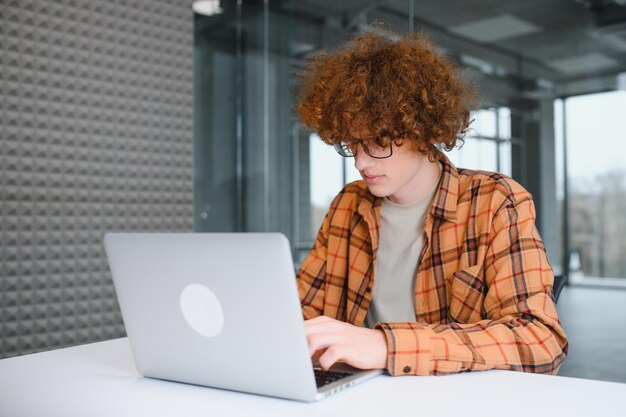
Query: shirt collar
[[447, 195]]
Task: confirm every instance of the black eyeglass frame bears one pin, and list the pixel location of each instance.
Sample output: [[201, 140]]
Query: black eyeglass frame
[[343, 150]]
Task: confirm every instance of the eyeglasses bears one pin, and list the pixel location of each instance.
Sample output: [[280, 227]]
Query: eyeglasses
[[372, 149]]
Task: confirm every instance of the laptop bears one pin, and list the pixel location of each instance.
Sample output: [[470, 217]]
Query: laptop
[[220, 310]]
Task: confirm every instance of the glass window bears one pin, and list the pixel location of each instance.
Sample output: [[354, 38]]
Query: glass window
[[504, 123], [484, 123], [328, 170], [326, 179], [475, 154], [487, 145], [597, 183], [352, 174]]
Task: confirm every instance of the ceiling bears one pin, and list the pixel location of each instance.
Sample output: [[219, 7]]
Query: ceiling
[[562, 47]]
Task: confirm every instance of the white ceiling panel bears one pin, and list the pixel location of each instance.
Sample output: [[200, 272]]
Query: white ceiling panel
[[590, 62], [495, 28]]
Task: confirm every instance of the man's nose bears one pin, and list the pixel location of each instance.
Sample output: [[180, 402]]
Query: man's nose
[[362, 160]]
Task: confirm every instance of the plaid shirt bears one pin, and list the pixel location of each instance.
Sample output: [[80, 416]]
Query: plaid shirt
[[483, 290]]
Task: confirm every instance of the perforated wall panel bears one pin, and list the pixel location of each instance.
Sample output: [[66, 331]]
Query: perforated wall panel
[[95, 135]]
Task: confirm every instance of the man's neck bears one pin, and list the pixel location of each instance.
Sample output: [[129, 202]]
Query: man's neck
[[426, 179]]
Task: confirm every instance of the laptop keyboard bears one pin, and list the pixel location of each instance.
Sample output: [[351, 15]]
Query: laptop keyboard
[[326, 377]]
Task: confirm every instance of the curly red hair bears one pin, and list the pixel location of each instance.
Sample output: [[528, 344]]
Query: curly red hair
[[395, 88]]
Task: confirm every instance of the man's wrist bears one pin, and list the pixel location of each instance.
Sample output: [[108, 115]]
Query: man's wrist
[[383, 350]]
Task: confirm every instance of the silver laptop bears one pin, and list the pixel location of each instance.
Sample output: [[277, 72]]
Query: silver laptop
[[220, 310]]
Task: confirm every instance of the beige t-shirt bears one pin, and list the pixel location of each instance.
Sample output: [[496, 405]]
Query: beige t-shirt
[[399, 248]]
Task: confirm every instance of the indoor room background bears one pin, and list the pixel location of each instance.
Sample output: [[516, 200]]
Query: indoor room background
[[149, 116]]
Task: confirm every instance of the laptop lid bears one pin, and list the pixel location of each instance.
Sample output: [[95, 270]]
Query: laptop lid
[[213, 309]]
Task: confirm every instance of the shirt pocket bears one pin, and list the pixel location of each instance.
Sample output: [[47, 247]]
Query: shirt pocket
[[467, 290]]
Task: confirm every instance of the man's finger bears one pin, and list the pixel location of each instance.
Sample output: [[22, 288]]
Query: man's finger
[[315, 356], [321, 341], [317, 322], [315, 326], [331, 356]]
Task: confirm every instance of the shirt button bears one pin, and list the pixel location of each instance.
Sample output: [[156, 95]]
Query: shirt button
[[407, 369], [368, 289]]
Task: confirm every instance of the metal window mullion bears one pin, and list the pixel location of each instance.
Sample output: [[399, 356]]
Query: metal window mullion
[[498, 141], [295, 187], [240, 226], [411, 16], [266, 130], [566, 229]]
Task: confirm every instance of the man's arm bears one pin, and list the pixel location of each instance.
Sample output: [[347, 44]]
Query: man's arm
[[521, 330], [311, 282], [312, 273]]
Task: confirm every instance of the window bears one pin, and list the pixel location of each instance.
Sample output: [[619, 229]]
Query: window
[[596, 189], [329, 173], [487, 145]]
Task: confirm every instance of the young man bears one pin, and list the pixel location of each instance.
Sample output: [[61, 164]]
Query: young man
[[421, 268]]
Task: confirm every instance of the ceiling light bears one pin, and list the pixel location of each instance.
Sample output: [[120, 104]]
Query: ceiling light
[[207, 7]]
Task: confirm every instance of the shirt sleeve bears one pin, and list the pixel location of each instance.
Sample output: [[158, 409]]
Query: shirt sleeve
[[520, 330], [312, 274]]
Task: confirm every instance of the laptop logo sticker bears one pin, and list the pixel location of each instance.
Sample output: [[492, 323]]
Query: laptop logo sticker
[[202, 310]]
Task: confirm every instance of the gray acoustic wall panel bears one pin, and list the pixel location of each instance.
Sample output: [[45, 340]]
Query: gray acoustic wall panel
[[95, 136]]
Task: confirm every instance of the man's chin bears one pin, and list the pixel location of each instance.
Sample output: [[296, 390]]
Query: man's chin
[[378, 191]]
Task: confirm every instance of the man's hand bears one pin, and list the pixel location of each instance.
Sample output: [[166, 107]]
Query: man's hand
[[331, 340]]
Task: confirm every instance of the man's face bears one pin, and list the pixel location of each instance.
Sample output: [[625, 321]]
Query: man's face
[[399, 177]]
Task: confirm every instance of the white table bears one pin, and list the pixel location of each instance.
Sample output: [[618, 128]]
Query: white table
[[100, 379]]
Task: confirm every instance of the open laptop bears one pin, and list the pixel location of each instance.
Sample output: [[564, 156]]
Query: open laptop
[[220, 310]]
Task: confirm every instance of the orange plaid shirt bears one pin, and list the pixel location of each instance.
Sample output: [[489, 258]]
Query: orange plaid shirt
[[483, 290]]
